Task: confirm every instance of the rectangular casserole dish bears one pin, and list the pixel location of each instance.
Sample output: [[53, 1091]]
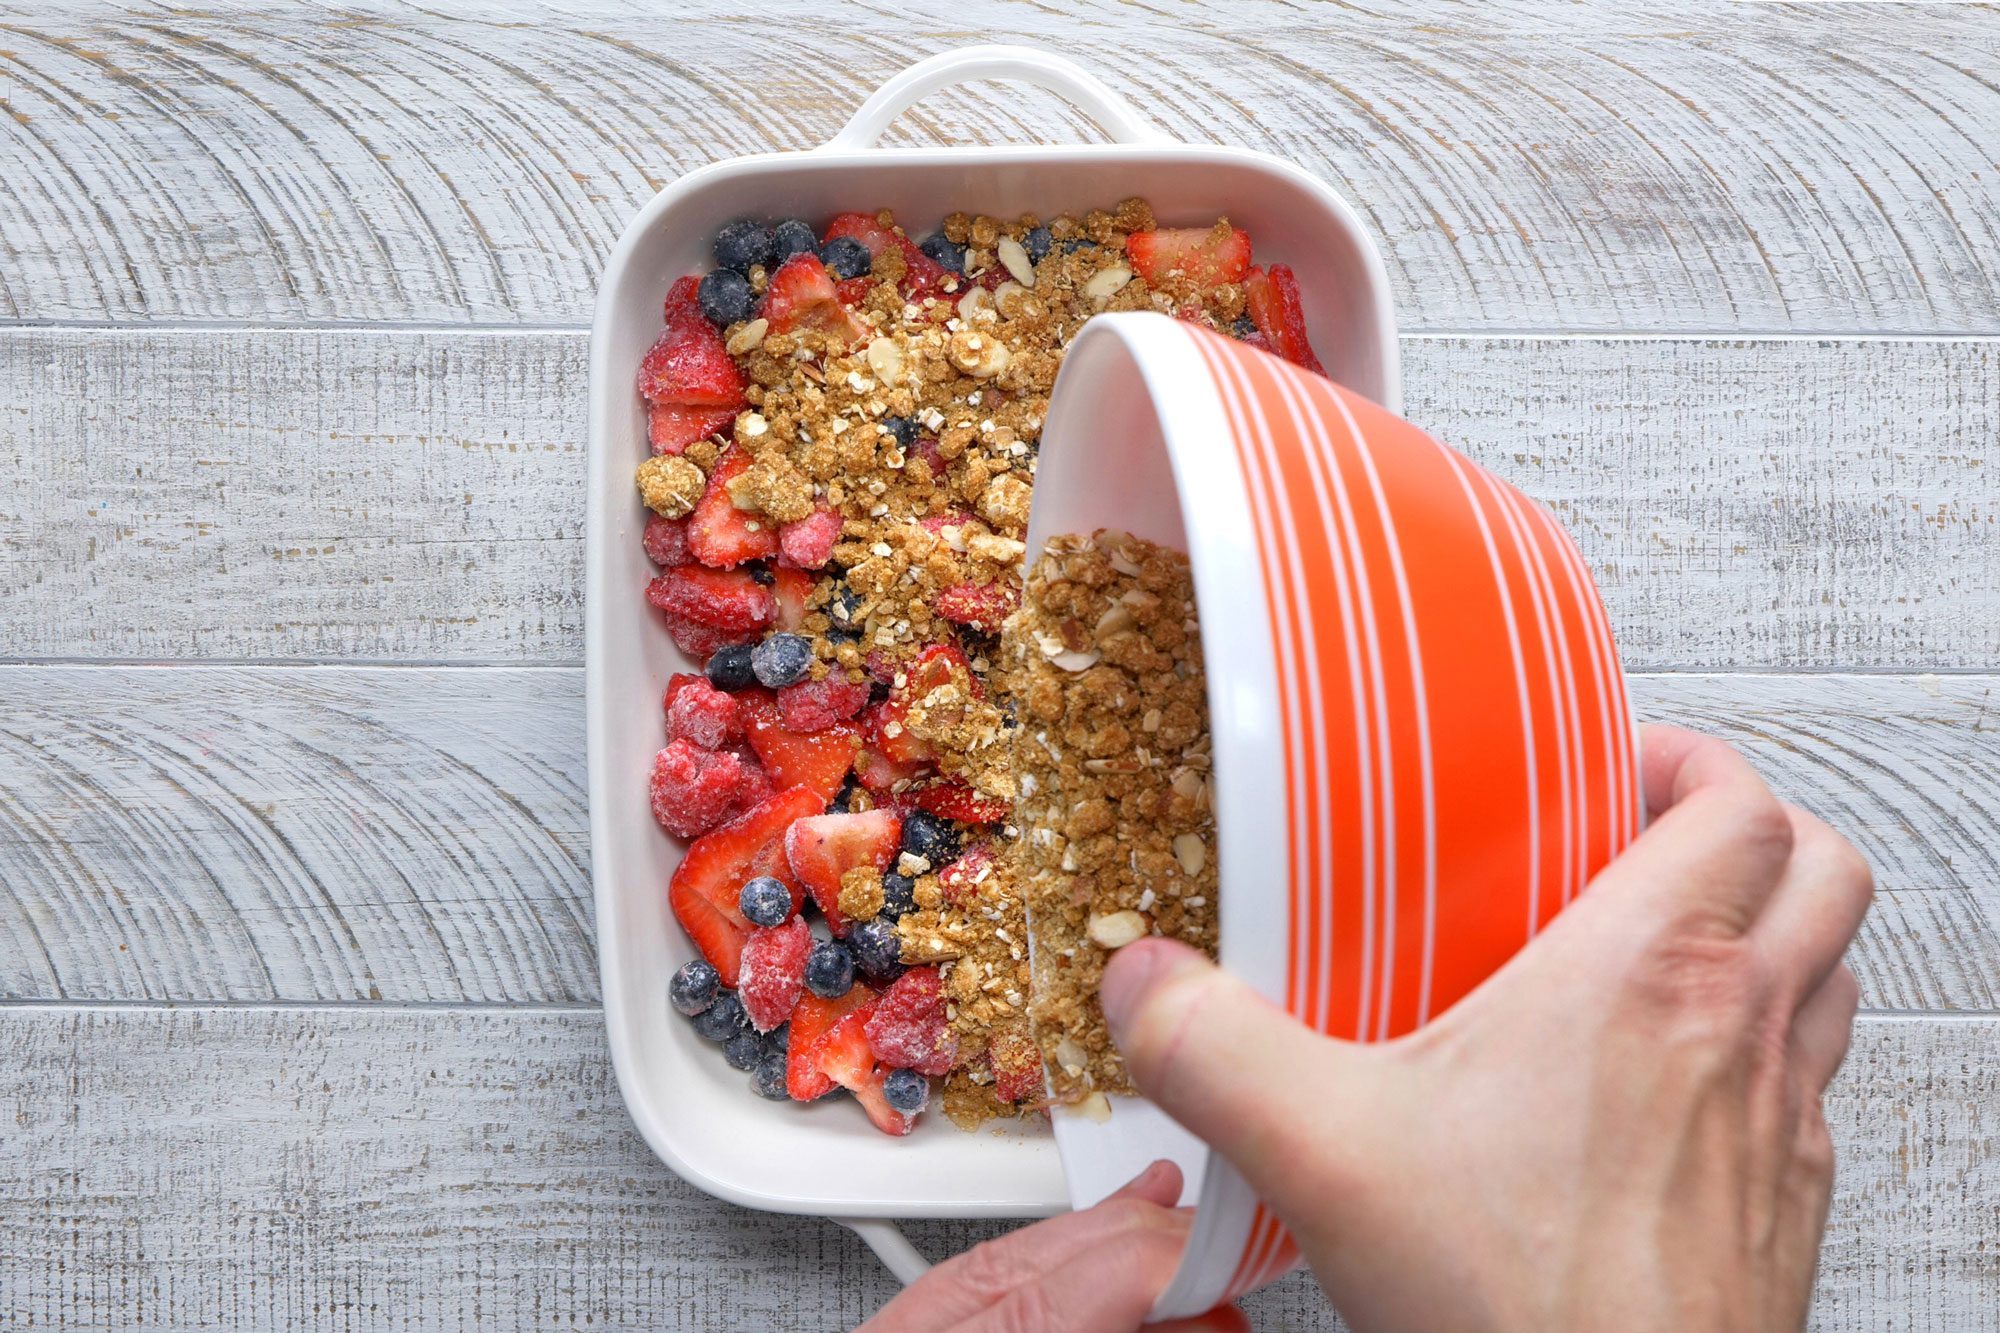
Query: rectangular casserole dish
[[691, 1108]]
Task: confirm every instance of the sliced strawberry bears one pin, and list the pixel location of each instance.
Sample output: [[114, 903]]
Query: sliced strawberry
[[719, 533], [819, 760], [824, 848], [959, 881], [692, 788], [887, 736], [672, 427], [812, 1018], [705, 886], [1017, 1064], [773, 972], [690, 366], [982, 606], [843, 1055], [908, 1028], [853, 291], [955, 800], [1197, 253], [815, 705], [878, 770], [808, 543], [724, 598], [935, 524], [802, 297], [700, 714], [927, 449], [666, 541], [700, 641], [1279, 314], [922, 275], [938, 664], [789, 589], [683, 300]]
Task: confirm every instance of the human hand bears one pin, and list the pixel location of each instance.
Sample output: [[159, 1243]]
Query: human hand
[[1097, 1271], [1620, 1129]]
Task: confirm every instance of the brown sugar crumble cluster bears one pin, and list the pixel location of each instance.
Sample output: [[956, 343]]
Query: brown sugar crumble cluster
[[1114, 762]]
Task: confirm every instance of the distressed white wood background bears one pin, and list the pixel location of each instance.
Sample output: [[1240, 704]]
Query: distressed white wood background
[[297, 988]]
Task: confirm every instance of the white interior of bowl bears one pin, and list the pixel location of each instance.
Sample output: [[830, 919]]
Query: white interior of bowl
[[695, 1111]]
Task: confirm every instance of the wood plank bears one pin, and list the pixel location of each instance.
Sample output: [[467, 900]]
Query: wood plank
[[326, 1169], [418, 496], [1524, 164], [420, 834]]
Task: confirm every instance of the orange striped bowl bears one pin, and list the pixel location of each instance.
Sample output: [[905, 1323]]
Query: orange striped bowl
[[1423, 744]]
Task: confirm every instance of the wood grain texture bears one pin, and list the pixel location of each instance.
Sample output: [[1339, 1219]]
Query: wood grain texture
[[420, 834], [1528, 164], [418, 496], [339, 1169]]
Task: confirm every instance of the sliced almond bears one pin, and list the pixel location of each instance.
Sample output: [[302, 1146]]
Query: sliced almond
[[1107, 283], [1115, 930], [1186, 782], [1151, 721], [885, 358], [1123, 563], [1191, 852], [1115, 620], [1075, 661], [1011, 299], [1014, 257], [1095, 1108], [1072, 1057], [748, 338], [975, 300]]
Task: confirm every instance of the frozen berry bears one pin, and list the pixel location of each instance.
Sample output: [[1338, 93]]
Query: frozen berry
[[846, 258], [791, 237], [1076, 243], [779, 1038], [1037, 243], [932, 838], [726, 298], [946, 252], [773, 973], [781, 660], [743, 243], [666, 541], [807, 543], [745, 1050], [903, 428], [694, 789], [723, 1019], [906, 1090], [842, 605], [877, 949], [765, 902], [727, 599], [700, 714], [1243, 327], [899, 895], [729, 670], [815, 705], [694, 987], [768, 1079], [829, 970], [908, 1028]]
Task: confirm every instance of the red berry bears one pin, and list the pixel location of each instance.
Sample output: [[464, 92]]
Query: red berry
[[672, 427], [801, 296], [683, 300], [843, 1055], [719, 533], [700, 641], [704, 890], [983, 606], [1017, 1064], [1196, 252], [927, 449], [909, 1029], [815, 705], [773, 972], [700, 713], [812, 1019], [808, 543], [1279, 314], [959, 881], [818, 760], [693, 788], [689, 365], [823, 848], [789, 590], [725, 598], [666, 541], [956, 800]]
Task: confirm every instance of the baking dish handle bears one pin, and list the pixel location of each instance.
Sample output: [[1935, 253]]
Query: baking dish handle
[[1116, 116], [891, 1246]]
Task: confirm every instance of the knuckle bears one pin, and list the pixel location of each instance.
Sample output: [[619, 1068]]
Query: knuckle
[[1028, 1309], [1813, 1150], [1764, 824], [1701, 984], [986, 1272]]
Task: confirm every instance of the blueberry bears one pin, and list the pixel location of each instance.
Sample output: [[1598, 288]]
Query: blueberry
[[768, 1080], [898, 895], [829, 970], [792, 237], [1075, 243], [761, 575], [928, 836], [745, 1050], [723, 1019], [781, 660], [726, 297], [730, 669], [1242, 327], [765, 902], [877, 949], [779, 1038], [694, 987], [903, 428], [742, 243], [1037, 243], [944, 250], [906, 1090], [846, 258]]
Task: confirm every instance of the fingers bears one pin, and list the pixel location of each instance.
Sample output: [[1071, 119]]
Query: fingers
[[1222, 1319], [1822, 1030], [1719, 840], [1110, 1286], [1216, 1056], [1817, 907], [967, 1283]]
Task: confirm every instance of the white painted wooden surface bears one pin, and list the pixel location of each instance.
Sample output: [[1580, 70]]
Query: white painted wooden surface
[[290, 372], [354, 494]]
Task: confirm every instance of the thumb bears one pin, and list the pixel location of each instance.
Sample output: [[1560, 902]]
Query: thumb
[[1231, 1067]]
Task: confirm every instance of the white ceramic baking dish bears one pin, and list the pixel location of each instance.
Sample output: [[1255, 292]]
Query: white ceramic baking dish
[[697, 1113]]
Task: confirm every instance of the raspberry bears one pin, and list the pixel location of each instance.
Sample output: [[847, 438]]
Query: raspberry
[[694, 789], [908, 1029], [700, 713], [774, 972], [1017, 1064], [808, 543], [697, 640], [983, 606], [725, 598], [757, 786], [815, 705], [959, 881], [666, 541]]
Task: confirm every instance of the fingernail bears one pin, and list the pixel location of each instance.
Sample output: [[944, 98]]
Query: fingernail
[[1131, 971]]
